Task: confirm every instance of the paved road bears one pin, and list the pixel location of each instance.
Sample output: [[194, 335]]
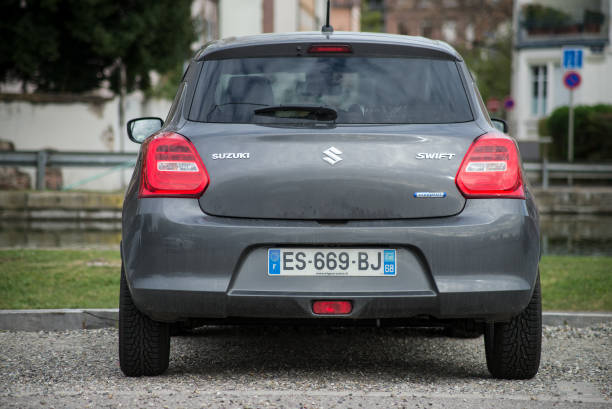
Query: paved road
[[304, 367]]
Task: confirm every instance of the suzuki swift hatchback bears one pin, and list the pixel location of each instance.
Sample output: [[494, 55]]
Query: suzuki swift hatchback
[[339, 178]]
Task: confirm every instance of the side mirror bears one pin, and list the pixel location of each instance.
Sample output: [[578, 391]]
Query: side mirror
[[140, 128], [500, 125]]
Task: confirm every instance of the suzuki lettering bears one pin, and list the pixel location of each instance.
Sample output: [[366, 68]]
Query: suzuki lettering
[[231, 155]]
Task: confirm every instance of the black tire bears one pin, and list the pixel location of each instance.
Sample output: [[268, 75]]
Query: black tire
[[144, 344], [513, 348]]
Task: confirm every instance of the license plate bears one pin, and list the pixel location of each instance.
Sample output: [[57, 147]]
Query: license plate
[[331, 262]]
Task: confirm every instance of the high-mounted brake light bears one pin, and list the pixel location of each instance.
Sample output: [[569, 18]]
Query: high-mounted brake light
[[172, 167], [330, 48], [491, 168]]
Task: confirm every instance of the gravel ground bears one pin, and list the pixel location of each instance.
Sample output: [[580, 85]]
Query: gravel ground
[[267, 367]]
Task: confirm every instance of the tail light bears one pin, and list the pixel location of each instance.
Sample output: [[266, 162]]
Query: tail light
[[491, 168], [172, 168]]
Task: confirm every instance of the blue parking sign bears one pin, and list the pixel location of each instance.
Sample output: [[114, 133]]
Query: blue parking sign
[[572, 58]]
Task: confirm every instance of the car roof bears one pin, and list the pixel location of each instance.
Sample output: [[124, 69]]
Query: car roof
[[319, 37]]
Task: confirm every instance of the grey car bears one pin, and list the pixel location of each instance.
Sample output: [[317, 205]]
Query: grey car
[[329, 178]]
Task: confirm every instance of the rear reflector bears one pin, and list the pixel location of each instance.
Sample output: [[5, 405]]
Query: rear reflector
[[172, 167], [332, 307], [491, 168], [330, 48]]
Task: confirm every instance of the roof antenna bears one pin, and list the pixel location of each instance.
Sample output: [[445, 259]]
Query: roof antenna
[[327, 28]]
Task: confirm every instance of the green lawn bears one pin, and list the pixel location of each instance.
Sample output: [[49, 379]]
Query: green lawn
[[32, 279], [576, 283], [90, 279]]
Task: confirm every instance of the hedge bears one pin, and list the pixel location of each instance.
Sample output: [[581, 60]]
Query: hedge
[[592, 133]]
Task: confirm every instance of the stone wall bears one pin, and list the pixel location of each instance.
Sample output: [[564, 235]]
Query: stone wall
[[106, 207], [574, 200]]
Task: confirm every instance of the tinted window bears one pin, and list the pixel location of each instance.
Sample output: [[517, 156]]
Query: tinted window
[[360, 89]]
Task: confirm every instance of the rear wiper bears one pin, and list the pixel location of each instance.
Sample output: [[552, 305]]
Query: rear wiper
[[217, 106], [313, 112]]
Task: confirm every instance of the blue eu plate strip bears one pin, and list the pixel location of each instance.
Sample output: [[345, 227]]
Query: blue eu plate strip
[[273, 261], [389, 262]]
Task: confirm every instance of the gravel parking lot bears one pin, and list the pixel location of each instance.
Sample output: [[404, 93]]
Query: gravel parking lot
[[302, 367]]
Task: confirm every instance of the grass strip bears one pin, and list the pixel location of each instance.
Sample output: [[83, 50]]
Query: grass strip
[[576, 283], [33, 279]]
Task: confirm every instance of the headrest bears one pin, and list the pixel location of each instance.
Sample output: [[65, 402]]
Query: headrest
[[251, 89]]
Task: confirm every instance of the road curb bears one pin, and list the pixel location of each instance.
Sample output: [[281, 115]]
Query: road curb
[[575, 319], [71, 319], [57, 320]]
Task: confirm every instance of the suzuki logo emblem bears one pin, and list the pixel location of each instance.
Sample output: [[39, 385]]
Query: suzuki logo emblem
[[332, 155]]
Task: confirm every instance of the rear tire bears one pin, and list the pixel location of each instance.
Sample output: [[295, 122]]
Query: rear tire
[[144, 344], [513, 348]]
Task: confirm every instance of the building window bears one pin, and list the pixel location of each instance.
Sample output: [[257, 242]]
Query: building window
[[469, 34], [425, 30], [538, 90], [449, 31], [403, 29]]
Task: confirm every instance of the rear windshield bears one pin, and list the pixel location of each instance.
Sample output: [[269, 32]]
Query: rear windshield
[[362, 90]]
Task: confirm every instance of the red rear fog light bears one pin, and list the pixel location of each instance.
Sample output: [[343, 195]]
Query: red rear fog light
[[332, 307]]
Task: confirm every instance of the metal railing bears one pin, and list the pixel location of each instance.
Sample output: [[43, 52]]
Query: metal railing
[[552, 170], [41, 159]]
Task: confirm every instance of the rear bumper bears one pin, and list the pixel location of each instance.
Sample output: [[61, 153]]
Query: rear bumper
[[179, 305], [181, 263]]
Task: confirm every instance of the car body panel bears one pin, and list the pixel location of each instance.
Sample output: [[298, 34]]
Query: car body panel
[[213, 261], [285, 175]]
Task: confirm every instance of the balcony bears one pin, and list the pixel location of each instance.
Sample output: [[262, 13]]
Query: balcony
[[575, 22]]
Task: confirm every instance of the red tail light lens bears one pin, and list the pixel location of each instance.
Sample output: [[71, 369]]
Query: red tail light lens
[[332, 307], [491, 168], [172, 168], [330, 48]]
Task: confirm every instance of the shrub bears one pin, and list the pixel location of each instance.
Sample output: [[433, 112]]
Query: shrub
[[592, 133], [539, 17], [543, 127]]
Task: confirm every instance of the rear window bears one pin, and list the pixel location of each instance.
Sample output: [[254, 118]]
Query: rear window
[[362, 90]]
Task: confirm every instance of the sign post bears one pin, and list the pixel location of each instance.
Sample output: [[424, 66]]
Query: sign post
[[572, 80], [572, 60]]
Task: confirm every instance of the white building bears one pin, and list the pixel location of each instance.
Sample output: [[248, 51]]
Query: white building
[[245, 17], [542, 29]]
